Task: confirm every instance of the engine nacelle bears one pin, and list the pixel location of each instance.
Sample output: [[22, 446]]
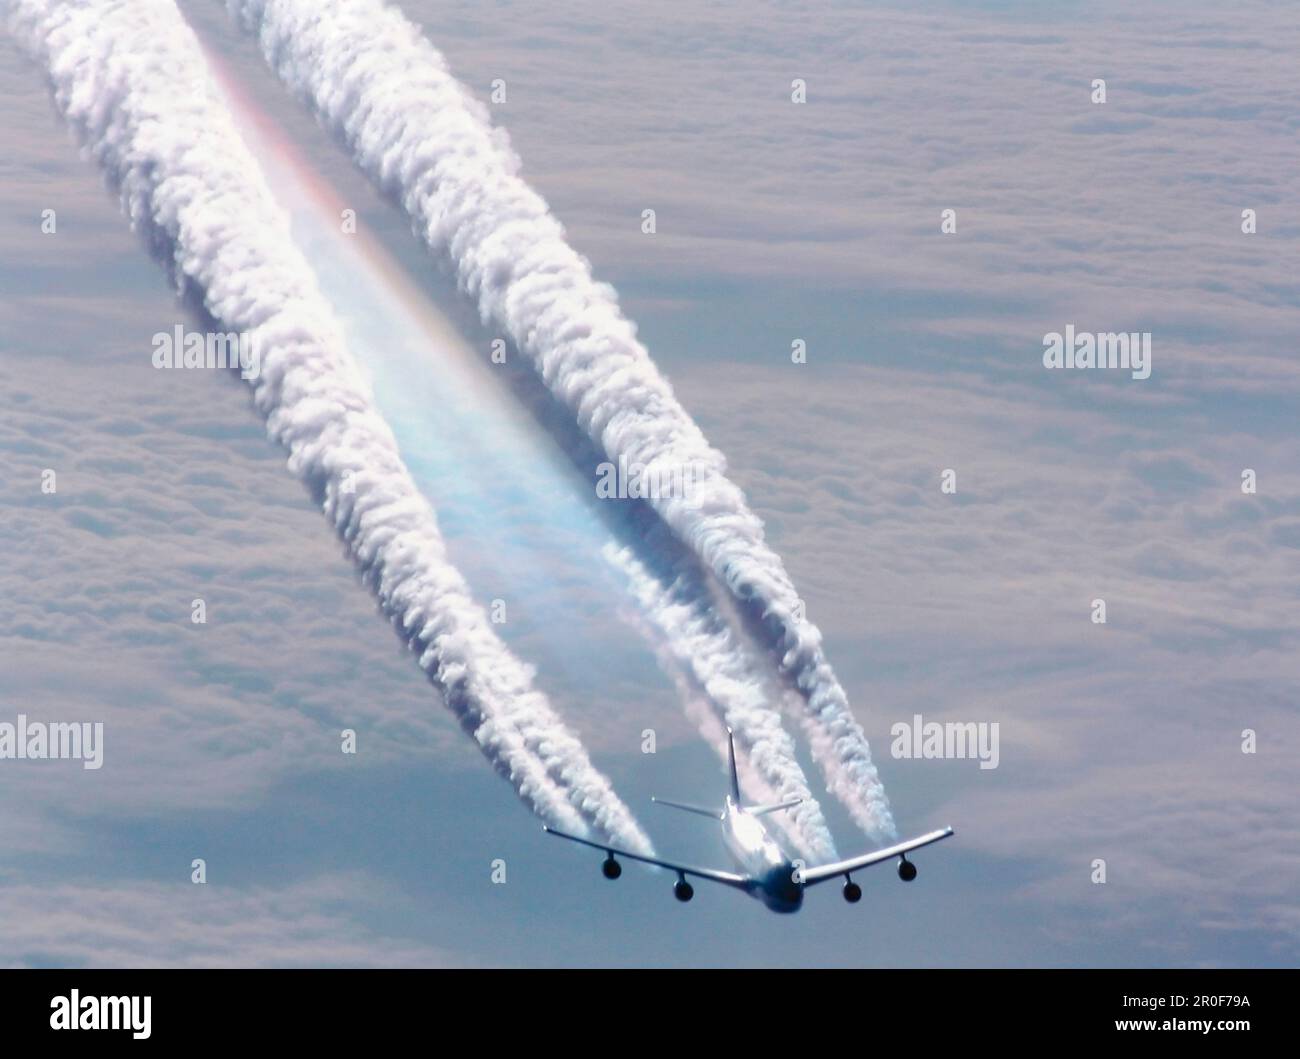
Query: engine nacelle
[[852, 892], [683, 891], [612, 868], [906, 870]]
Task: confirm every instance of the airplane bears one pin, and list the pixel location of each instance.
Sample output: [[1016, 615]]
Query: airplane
[[766, 873]]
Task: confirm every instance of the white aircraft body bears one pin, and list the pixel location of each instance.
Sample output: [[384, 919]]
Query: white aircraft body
[[766, 872]]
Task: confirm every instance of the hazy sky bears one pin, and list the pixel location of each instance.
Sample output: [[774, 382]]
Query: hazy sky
[[776, 222]]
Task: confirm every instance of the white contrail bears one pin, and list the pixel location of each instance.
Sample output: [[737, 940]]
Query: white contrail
[[417, 132], [722, 685], [131, 78]]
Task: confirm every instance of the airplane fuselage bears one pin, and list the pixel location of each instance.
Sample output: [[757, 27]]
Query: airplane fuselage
[[757, 855]]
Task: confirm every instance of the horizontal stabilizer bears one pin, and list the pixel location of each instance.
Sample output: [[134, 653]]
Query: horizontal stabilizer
[[700, 810], [772, 807]]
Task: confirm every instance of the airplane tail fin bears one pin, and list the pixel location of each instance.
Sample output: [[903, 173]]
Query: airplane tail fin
[[719, 814], [731, 757]]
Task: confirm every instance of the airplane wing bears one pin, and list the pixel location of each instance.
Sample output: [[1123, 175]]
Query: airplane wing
[[741, 882], [843, 867]]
